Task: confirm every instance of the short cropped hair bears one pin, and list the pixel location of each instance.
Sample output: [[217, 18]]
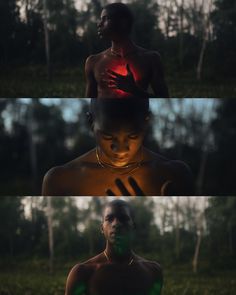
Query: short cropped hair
[[121, 203], [127, 109], [121, 11]]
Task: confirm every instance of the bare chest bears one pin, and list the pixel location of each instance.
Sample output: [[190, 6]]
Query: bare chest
[[102, 181], [120, 280], [140, 68]]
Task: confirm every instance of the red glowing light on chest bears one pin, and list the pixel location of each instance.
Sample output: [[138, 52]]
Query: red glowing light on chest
[[121, 69]]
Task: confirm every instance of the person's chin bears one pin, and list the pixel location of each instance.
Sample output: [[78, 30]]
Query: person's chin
[[101, 35], [120, 163]]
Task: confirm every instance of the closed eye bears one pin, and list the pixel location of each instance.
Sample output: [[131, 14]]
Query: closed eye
[[106, 136], [133, 136]]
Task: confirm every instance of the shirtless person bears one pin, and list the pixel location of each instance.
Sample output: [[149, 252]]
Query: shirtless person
[[120, 164], [124, 69], [117, 270]]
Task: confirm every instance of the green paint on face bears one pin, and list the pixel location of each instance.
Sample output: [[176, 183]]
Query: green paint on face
[[80, 290]]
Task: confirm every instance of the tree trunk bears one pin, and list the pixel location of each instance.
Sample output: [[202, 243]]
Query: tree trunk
[[47, 38], [181, 35], [177, 237], [201, 174], [206, 24], [32, 147], [196, 253], [50, 233], [200, 61]]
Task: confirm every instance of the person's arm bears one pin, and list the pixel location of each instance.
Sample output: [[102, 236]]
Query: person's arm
[[158, 83], [76, 282], [91, 84]]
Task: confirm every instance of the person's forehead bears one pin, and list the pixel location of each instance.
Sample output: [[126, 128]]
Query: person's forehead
[[105, 12], [116, 210], [119, 124]]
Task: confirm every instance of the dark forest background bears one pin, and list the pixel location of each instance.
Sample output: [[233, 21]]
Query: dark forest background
[[37, 134], [44, 45], [194, 239]]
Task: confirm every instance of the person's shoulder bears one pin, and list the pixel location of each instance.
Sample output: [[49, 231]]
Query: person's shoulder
[[78, 271], [56, 178], [77, 279], [95, 260], [178, 174], [52, 179], [152, 265], [93, 58], [179, 167], [149, 53], [176, 166]]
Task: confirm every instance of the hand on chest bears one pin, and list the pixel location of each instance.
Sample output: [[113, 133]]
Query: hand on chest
[[119, 66]]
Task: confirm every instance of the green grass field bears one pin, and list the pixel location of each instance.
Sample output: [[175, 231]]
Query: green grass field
[[36, 280], [31, 81]]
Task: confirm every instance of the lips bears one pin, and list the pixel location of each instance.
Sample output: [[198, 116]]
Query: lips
[[121, 158], [116, 234]]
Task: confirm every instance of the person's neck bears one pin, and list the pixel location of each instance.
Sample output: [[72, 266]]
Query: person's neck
[[115, 256], [122, 47]]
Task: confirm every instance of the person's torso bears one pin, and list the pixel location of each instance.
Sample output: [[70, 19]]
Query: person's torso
[[95, 180], [139, 65], [135, 279]]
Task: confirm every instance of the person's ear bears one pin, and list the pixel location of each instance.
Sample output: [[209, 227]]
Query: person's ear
[[90, 120]]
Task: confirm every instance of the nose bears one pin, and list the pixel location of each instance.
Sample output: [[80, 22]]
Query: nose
[[120, 147], [99, 23], [116, 223]]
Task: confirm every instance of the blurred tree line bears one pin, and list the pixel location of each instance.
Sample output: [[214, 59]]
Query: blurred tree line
[[192, 36], [196, 232], [35, 136]]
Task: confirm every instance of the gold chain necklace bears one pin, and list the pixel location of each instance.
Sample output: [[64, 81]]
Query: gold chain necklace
[[105, 254], [114, 169]]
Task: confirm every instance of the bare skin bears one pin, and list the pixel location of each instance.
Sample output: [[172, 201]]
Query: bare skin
[[98, 276], [116, 272], [157, 176], [120, 164], [124, 69]]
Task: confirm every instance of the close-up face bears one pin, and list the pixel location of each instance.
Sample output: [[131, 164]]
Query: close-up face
[[104, 24], [118, 144], [117, 225], [108, 25]]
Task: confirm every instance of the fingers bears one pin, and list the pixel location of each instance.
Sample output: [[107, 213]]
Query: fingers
[[128, 69], [112, 73], [122, 188], [135, 186], [110, 193], [110, 83]]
